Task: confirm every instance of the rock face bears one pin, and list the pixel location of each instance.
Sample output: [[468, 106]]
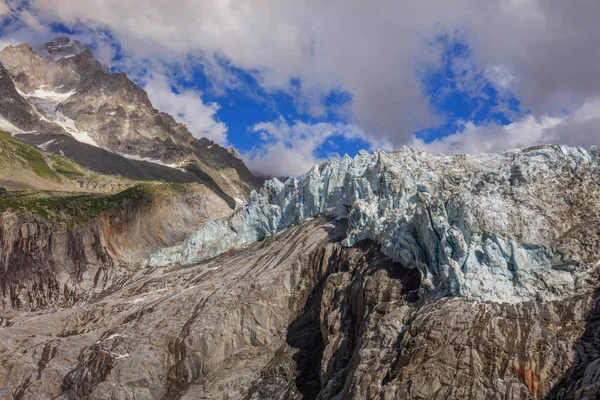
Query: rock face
[[62, 261], [16, 114], [204, 331], [506, 227], [365, 336], [298, 316], [63, 89]]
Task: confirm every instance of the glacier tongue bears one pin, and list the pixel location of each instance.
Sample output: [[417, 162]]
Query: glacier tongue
[[482, 227]]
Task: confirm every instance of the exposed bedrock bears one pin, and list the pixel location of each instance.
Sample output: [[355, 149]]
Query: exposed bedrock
[[204, 331], [63, 261], [431, 278], [365, 334], [299, 316], [60, 97]]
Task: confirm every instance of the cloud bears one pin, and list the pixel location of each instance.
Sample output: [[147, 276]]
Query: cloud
[[28, 19], [371, 52], [4, 9], [542, 50], [582, 128], [187, 107], [290, 149]]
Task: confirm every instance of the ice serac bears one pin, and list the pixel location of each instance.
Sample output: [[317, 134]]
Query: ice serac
[[505, 227]]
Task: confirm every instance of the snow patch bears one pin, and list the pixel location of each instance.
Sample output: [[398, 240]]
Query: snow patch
[[69, 125], [111, 337], [49, 95], [151, 160], [115, 335], [44, 146], [83, 137], [64, 57], [8, 126], [146, 296]]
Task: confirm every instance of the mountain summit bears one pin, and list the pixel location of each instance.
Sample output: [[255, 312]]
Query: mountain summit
[[62, 91]]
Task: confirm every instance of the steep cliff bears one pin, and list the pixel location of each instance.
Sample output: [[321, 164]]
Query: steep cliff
[[297, 316], [62, 250]]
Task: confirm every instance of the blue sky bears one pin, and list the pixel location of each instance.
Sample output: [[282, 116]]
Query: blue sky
[[292, 84]]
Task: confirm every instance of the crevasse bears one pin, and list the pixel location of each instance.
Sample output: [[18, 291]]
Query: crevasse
[[475, 226]]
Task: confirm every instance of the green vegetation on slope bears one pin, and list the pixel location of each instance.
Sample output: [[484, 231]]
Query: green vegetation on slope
[[69, 208], [65, 205], [51, 167], [72, 208], [65, 167]]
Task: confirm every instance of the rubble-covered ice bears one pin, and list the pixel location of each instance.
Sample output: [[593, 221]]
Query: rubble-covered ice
[[480, 226]]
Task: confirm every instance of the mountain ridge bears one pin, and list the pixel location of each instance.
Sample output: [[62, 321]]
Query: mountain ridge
[[383, 276], [63, 89]]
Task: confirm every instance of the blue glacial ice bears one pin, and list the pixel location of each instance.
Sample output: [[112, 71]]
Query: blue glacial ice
[[480, 227]]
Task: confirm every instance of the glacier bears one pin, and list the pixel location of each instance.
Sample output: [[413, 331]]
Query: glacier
[[480, 227]]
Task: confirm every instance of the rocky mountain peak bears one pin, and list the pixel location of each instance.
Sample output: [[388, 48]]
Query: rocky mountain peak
[[233, 152], [67, 90], [22, 48], [30, 71], [64, 48]]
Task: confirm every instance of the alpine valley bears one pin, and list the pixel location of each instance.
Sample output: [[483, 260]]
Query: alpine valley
[[140, 262]]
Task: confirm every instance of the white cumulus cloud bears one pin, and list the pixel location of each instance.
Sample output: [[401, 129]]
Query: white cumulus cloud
[[542, 50], [4, 9], [290, 149], [581, 127], [187, 107]]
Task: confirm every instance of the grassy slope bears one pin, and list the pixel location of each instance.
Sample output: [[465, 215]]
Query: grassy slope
[[23, 166], [46, 166], [22, 162]]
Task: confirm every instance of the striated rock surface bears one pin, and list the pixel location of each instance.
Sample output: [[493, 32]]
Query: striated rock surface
[[200, 332], [507, 227], [365, 335], [60, 252], [298, 316]]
